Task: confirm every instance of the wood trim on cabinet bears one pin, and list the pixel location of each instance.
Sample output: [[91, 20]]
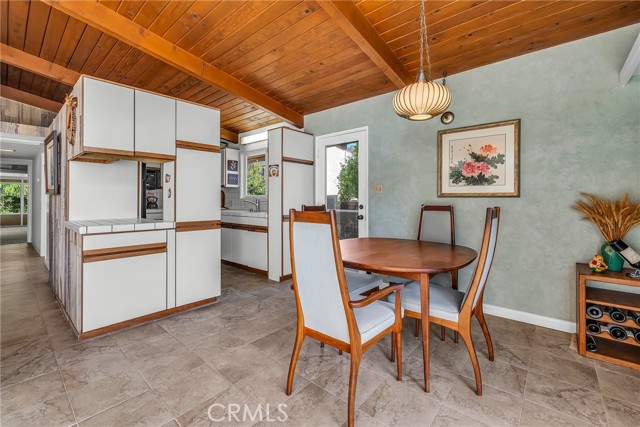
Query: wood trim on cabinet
[[245, 267], [197, 225], [143, 155], [285, 277], [145, 318], [197, 146], [94, 255], [108, 151], [299, 161], [245, 227]]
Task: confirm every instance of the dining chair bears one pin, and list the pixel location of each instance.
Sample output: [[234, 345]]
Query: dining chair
[[326, 311], [314, 208], [454, 309], [437, 225]]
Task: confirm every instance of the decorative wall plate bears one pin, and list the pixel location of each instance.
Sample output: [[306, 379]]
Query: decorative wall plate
[[447, 117]]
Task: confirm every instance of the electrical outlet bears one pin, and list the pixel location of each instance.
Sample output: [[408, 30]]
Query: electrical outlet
[[378, 188]]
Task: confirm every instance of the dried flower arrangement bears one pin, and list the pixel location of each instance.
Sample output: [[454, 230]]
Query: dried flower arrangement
[[614, 218]]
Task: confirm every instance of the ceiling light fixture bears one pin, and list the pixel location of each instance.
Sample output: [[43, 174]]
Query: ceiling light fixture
[[7, 150], [423, 99]]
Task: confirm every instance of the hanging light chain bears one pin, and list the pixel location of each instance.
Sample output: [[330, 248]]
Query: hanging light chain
[[424, 42]]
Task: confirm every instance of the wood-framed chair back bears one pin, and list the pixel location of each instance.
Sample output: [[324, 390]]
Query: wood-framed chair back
[[437, 224], [318, 277], [314, 208], [475, 291]]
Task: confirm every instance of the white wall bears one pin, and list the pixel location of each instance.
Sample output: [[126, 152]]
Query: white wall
[[38, 214]]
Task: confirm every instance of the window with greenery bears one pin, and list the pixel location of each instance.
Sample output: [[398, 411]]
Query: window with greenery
[[10, 198], [256, 184]]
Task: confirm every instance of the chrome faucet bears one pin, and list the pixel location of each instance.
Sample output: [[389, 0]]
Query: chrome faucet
[[256, 204]]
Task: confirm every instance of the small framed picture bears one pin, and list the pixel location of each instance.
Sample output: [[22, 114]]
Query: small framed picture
[[232, 180], [51, 164], [232, 165], [480, 161]]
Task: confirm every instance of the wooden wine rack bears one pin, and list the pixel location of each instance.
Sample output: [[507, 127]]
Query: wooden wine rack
[[624, 353]]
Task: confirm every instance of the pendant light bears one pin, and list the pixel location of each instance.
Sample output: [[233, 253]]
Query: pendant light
[[423, 99]]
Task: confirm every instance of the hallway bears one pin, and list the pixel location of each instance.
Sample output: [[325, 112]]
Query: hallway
[[13, 235]]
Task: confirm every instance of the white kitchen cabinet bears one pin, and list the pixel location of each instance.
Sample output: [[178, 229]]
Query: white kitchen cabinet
[[250, 249], [197, 185], [155, 124], [197, 265], [198, 124], [227, 244], [108, 117]]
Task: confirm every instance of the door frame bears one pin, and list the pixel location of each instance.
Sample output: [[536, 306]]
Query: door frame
[[363, 162]]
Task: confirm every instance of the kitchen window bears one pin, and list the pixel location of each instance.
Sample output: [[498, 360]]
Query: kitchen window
[[255, 183]]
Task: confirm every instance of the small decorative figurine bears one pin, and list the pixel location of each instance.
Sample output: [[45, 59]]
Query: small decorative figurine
[[597, 264]]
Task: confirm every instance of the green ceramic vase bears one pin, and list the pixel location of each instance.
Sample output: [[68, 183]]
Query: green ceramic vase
[[612, 258]]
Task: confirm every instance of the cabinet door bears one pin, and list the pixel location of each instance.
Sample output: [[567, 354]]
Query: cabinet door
[[195, 123], [155, 124], [226, 246], [197, 185], [197, 265], [108, 112], [122, 289], [250, 249]]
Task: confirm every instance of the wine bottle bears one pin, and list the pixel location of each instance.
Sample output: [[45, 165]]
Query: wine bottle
[[631, 256], [593, 327], [594, 311], [617, 315], [617, 332], [636, 316], [636, 335], [591, 344]]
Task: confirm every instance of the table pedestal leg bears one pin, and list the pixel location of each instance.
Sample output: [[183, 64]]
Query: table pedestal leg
[[424, 309]]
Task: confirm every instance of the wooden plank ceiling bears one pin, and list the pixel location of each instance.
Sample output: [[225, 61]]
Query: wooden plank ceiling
[[304, 55]]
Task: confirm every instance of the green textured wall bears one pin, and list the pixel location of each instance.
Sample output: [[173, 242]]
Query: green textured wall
[[580, 132]]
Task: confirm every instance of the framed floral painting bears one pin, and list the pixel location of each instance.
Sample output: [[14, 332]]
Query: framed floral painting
[[480, 161]]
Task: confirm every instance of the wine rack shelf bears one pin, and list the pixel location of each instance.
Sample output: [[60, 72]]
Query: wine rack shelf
[[624, 353]]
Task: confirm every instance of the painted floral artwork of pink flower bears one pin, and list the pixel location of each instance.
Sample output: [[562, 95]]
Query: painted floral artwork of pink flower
[[478, 167]]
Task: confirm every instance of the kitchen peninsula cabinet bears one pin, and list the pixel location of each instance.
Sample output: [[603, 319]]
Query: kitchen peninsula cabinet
[[155, 126], [244, 243]]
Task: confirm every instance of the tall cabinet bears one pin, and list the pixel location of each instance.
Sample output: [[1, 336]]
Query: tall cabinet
[[197, 203]]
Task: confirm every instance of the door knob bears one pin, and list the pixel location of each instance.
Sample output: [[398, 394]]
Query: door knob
[[360, 216]]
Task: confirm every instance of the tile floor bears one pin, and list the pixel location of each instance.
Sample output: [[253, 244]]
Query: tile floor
[[169, 372]]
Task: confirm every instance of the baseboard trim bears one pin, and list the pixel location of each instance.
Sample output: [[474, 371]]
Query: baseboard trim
[[533, 319]]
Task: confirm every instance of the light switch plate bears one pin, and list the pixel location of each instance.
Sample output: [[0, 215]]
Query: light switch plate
[[378, 188]]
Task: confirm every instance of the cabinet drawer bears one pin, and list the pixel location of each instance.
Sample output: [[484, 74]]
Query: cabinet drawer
[[121, 289], [116, 240]]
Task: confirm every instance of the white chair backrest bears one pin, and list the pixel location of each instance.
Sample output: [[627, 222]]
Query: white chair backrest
[[436, 226], [484, 269], [316, 278]]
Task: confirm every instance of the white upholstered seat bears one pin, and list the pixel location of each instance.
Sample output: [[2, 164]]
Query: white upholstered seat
[[359, 283], [444, 303], [374, 318]]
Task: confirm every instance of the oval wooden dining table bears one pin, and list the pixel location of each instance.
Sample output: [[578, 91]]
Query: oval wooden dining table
[[411, 259]]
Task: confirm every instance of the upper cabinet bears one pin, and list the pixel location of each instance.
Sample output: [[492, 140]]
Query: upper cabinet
[[155, 126], [108, 118], [197, 124]]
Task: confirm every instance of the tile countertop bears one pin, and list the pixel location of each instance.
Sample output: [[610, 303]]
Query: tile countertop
[[117, 225], [234, 212]]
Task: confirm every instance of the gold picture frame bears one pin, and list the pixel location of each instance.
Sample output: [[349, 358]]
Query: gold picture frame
[[480, 161]]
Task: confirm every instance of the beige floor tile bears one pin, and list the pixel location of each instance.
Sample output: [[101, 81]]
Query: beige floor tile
[[278, 344], [617, 369], [557, 343], [167, 366], [505, 352], [314, 360], [582, 403], [506, 330], [564, 369], [449, 417], [96, 396], [395, 404], [495, 407], [85, 350], [187, 390], [21, 330], [534, 415], [500, 375], [226, 409], [239, 363], [268, 386], [101, 365], [144, 410], [618, 386], [27, 360], [41, 401], [336, 381], [621, 413], [137, 334]]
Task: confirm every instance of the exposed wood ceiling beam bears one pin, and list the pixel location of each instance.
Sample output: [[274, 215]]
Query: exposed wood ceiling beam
[[227, 135], [347, 15], [138, 37], [34, 64], [29, 98]]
